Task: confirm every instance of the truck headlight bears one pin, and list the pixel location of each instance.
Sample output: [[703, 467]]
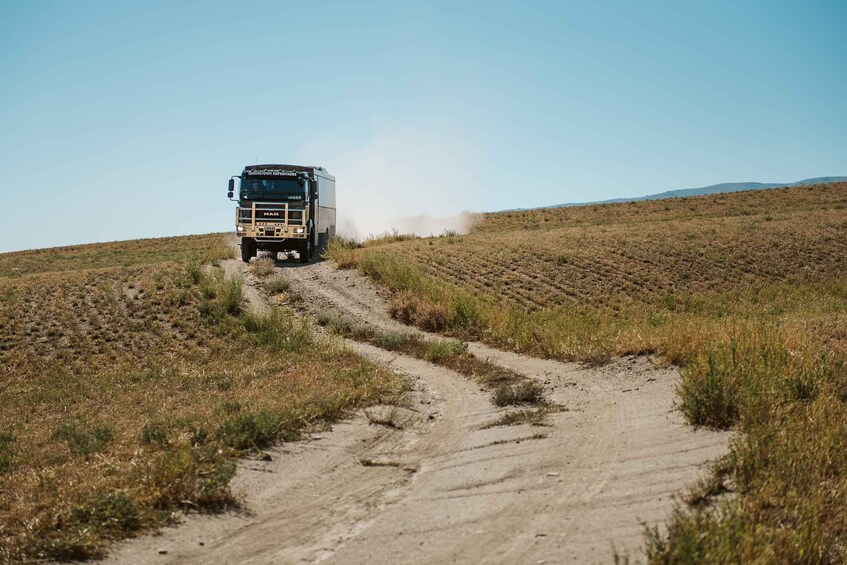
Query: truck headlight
[[239, 228], [299, 230]]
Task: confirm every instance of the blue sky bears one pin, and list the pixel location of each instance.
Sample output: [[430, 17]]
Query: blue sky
[[121, 120]]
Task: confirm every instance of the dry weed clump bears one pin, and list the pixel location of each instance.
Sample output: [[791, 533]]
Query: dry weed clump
[[148, 378], [411, 309], [746, 291], [278, 284], [530, 416], [528, 392], [263, 266]]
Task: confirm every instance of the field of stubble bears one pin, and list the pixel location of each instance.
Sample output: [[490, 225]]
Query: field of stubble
[[131, 378], [746, 291]]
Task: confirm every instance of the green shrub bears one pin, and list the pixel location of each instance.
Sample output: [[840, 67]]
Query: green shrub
[[746, 374], [277, 284], [395, 341], [335, 324], [195, 273], [709, 396], [438, 350], [82, 441], [111, 511], [154, 433], [278, 331], [250, 430], [221, 296]]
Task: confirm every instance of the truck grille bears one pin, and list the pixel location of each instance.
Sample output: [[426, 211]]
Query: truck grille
[[271, 213]]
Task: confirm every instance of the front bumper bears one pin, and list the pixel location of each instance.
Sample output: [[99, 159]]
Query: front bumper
[[288, 224], [271, 232]]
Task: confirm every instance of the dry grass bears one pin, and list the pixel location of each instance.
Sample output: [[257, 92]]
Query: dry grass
[[147, 379], [530, 416], [408, 308], [528, 392], [747, 291], [451, 354], [277, 284], [183, 250], [263, 266]]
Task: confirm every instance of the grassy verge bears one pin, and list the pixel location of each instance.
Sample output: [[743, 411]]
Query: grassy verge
[[770, 360], [508, 387], [147, 380]]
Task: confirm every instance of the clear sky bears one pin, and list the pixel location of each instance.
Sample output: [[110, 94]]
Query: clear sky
[[121, 120]]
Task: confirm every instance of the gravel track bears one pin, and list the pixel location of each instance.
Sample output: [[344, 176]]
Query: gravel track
[[446, 488]]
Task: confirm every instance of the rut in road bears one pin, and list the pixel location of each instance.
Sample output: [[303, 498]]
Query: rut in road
[[446, 487]]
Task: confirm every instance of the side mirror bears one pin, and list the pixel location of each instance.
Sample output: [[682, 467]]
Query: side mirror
[[231, 188]]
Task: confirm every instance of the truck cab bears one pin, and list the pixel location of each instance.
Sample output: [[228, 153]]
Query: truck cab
[[283, 208]]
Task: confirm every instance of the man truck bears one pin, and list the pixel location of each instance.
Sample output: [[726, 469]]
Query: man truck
[[284, 208]]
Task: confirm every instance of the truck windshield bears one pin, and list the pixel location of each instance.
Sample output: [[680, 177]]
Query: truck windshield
[[276, 188]]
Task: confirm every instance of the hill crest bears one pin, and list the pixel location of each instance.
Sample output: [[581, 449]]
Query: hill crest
[[711, 189]]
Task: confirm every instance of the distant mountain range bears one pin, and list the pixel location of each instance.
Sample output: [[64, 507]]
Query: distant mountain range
[[713, 189]]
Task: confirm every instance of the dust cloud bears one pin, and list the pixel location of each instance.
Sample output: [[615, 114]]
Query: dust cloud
[[408, 182]]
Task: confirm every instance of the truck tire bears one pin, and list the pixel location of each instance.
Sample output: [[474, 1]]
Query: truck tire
[[306, 250], [248, 249], [323, 241]]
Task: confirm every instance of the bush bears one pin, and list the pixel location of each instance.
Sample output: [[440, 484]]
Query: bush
[[81, 441], [747, 373], [221, 296], [278, 331], [395, 341], [345, 327], [263, 266], [430, 316], [438, 350], [402, 306], [112, 511], [279, 283], [334, 323], [250, 431], [154, 433], [193, 477], [709, 395], [408, 308], [528, 392], [195, 272]]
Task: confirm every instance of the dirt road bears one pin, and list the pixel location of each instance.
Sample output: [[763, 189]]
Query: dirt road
[[444, 487]]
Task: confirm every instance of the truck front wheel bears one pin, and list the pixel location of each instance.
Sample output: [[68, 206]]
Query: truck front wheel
[[307, 249], [248, 249]]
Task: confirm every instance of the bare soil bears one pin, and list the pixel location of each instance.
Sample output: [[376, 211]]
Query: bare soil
[[438, 484]]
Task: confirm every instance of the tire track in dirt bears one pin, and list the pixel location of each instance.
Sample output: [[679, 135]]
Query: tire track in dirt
[[445, 487]]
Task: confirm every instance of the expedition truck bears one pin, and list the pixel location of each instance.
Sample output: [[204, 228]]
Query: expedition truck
[[284, 208]]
